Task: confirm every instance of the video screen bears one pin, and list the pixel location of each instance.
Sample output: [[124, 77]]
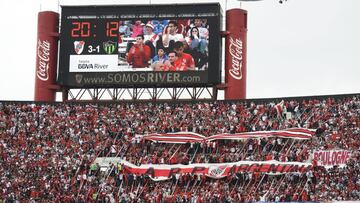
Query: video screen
[[140, 46], [163, 45]]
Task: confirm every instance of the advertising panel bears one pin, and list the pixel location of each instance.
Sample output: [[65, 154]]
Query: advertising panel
[[46, 56], [235, 54]]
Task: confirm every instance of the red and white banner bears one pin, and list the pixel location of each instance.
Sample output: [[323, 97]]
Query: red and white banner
[[186, 137], [180, 137], [330, 158], [215, 170], [295, 133]]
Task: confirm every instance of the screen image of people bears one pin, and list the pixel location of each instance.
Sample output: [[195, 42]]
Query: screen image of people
[[163, 45]]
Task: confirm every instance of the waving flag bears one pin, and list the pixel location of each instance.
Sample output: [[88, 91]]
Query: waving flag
[[280, 107], [188, 137], [294, 133], [180, 137]]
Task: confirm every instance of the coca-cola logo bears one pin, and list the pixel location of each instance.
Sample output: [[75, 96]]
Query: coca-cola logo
[[235, 50], [43, 54]]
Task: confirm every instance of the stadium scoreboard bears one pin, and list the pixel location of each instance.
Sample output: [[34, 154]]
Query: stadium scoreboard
[[94, 43]]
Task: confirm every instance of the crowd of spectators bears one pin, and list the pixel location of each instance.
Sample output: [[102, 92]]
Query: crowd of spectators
[[153, 43], [47, 151]]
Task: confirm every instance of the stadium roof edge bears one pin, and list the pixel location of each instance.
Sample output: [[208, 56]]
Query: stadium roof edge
[[142, 4]]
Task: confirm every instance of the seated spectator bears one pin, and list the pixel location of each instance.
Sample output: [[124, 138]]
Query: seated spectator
[[158, 27], [124, 29], [197, 47], [137, 29], [171, 64], [185, 61], [150, 38], [161, 56], [171, 35], [139, 53]]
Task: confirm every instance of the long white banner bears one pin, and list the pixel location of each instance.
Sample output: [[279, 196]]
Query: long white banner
[[330, 158], [215, 170]]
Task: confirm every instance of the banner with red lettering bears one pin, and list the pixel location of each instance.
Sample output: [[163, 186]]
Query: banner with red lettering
[[187, 137], [330, 158], [215, 170]]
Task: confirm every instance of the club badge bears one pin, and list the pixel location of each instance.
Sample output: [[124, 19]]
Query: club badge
[[109, 47], [79, 46], [78, 78]]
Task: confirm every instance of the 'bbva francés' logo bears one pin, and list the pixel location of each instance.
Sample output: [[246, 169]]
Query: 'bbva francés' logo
[[109, 47], [235, 50], [43, 54]]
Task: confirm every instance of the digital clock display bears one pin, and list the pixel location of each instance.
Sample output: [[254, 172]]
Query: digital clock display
[[87, 29], [102, 45]]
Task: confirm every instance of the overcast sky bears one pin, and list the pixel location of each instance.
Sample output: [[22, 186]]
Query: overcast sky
[[298, 48]]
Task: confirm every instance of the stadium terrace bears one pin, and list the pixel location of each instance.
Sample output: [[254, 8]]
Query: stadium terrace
[[108, 152]]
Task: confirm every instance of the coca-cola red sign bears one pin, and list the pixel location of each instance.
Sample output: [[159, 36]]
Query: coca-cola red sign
[[235, 50], [235, 54], [46, 56], [43, 54]]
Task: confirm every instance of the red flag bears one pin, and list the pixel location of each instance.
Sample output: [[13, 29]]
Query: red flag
[[280, 108]]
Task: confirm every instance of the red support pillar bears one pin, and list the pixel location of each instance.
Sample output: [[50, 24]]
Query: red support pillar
[[46, 56], [235, 54]]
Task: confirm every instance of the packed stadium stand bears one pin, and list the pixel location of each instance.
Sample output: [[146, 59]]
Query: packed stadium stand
[[60, 152]]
